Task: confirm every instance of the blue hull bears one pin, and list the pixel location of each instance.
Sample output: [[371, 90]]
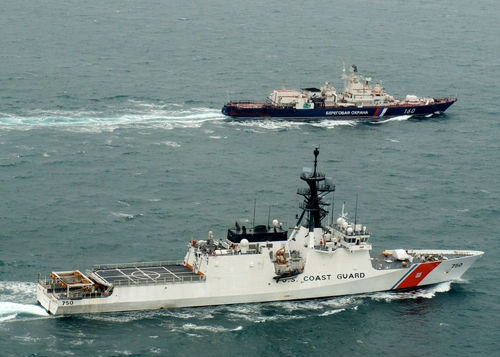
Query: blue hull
[[262, 111]]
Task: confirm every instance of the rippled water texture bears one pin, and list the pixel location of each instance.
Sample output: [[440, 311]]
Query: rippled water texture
[[113, 149]]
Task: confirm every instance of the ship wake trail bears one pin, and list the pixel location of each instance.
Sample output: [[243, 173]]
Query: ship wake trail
[[81, 119], [11, 310], [16, 299], [282, 125]]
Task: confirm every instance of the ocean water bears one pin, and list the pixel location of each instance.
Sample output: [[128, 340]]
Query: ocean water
[[113, 149]]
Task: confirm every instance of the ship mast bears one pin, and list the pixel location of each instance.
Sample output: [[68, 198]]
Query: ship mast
[[319, 186]]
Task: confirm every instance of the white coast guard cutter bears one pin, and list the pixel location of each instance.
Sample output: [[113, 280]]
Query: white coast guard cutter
[[258, 264]]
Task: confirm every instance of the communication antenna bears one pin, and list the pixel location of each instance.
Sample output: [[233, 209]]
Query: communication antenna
[[254, 205], [269, 218], [356, 211], [333, 207]]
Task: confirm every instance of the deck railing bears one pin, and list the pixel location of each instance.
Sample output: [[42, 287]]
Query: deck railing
[[457, 253], [137, 265], [166, 280], [62, 294]]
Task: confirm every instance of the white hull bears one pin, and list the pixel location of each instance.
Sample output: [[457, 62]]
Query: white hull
[[259, 264], [249, 279]]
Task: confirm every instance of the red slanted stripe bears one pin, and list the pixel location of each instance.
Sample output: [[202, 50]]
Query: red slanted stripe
[[417, 275]]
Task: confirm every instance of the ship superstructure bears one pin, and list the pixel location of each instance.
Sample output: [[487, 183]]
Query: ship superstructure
[[264, 263], [359, 100]]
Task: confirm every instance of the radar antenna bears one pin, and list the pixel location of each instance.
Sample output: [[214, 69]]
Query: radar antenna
[[313, 196]]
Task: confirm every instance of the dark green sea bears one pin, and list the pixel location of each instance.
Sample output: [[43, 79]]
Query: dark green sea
[[113, 150]]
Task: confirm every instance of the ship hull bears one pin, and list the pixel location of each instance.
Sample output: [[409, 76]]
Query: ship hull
[[250, 279], [259, 264], [374, 113]]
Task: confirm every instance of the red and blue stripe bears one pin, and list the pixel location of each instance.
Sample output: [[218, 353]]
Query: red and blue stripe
[[415, 275], [379, 112]]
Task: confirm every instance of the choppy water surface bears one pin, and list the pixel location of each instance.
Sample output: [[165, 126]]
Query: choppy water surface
[[113, 149]]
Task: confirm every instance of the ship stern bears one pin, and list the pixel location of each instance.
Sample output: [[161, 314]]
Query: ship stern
[[46, 299]]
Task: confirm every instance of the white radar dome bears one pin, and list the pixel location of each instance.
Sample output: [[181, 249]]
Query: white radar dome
[[244, 245]]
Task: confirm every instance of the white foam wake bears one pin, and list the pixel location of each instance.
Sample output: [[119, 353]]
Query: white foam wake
[[19, 292], [283, 124], [11, 310], [89, 120], [398, 118], [426, 292], [17, 299]]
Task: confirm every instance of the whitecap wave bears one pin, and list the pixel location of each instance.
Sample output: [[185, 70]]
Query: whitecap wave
[[317, 305], [130, 316], [122, 215], [266, 124], [388, 120], [329, 124], [210, 328], [119, 317], [261, 318], [171, 144], [332, 312]]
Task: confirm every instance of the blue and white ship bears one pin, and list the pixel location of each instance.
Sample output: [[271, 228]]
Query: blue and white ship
[[359, 100]]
